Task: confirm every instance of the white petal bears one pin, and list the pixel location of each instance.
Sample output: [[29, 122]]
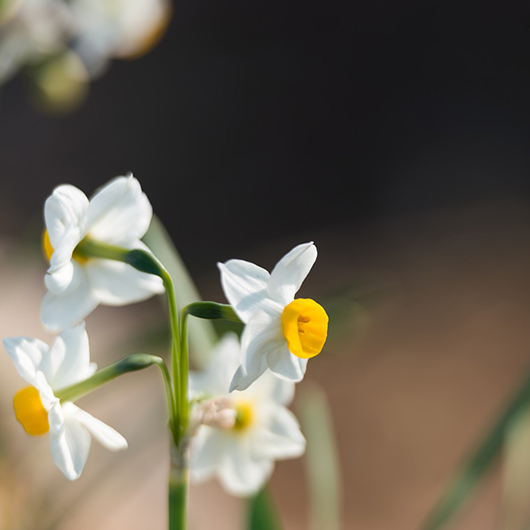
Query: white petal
[[65, 279], [47, 396], [282, 391], [286, 365], [60, 311], [280, 437], [69, 441], [289, 273], [245, 288], [119, 212], [271, 389], [261, 336], [116, 283], [71, 354], [103, 433], [241, 473], [64, 213], [26, 354], [60, 278], [62, 274], [215, 380], [208, 448]]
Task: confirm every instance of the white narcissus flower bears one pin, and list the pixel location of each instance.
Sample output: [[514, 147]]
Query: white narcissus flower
[[123, 29], [281, 333], [31, 30], [118, 214], [48, 370], [240, 435]]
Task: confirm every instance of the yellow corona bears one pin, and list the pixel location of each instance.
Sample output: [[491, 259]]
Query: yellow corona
[[48, 249], [305, 327], [30, 411]]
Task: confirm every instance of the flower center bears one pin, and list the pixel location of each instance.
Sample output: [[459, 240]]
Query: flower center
[[30, 411], [244, 415], [305, 327], [49, 250]]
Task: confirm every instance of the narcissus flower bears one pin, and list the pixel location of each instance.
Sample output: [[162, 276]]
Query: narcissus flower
[[281, 332], [37, 408], [123, 29], [30, 31], [240, 435], [118, 214]]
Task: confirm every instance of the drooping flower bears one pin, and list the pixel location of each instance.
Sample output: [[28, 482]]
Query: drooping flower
[[118, 214], [240, 435], [281, 333], [37, 408]]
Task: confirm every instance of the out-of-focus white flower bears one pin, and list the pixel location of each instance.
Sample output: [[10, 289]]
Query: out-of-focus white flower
[[31, 30], [65, 43], [118, 214], [123, 29], [240, 435], [281, 333], [38, 409]]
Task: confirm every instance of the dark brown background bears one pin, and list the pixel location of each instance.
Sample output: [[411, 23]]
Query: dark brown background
[[394, 134], [272, 118]]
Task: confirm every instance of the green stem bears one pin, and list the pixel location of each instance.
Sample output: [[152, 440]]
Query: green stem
[[131, 363], [176, 387], [88, 248], [178, 487], [144, 261], [205, 310], [212, 311], [177, 372], [184, 366]]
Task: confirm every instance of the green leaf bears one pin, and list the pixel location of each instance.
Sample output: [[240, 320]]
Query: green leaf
[[202, 335], [515, 508], [321, 458], [262, 513], [465, 481]]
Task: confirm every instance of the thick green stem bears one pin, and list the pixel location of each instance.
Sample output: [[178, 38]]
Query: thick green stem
[[176, 386], [178, 487], [184, 367], [176, 368]]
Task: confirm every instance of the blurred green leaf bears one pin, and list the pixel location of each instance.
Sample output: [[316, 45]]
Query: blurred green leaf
[[465, 481], [202, 334], [262, 513], [321, 458], [515, 504]]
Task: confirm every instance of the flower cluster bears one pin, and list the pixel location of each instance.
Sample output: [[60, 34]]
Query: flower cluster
[[64, 44], [233, 415]]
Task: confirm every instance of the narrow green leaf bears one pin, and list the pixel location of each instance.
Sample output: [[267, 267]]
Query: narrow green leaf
[[515, 508], [262, 513], [465, 481], [321, 459], [201, 332]]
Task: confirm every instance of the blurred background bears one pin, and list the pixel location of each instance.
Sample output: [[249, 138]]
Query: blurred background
[[394, 135]]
